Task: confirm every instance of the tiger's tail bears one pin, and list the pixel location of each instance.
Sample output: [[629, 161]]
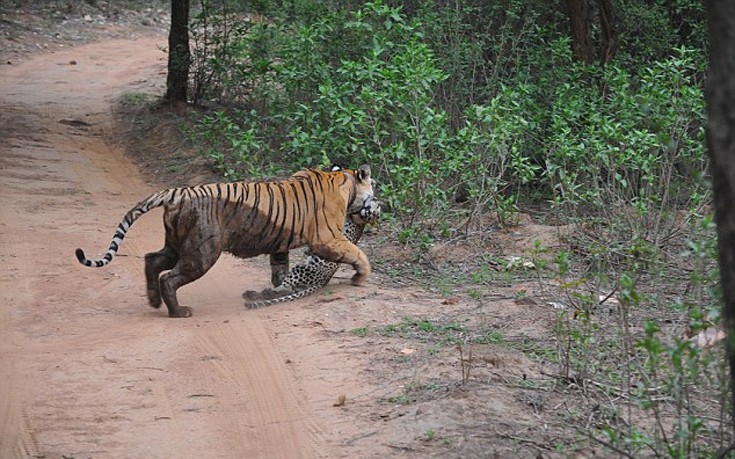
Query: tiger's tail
[[153, 201]]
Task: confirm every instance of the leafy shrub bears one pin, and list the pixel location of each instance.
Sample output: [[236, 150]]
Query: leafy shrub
[[369, 102], [364, 86], [235, 146]]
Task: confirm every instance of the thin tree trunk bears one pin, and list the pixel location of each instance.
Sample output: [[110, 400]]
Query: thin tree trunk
[[579, 28], [179, 56], [720, 96], [609, 34]]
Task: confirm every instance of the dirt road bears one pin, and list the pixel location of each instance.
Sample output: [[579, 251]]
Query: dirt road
[[88, 370]]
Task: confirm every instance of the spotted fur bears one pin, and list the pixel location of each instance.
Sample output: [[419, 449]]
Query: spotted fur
[[247, 219]]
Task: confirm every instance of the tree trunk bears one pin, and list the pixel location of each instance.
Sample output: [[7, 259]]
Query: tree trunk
[[179, 56], [609, 34], [720, 95], [579, 28]]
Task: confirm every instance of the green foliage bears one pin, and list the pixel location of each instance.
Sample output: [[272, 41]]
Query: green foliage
[[374, 106], [368, 100], [622, 149], [236, 149], [649, 31], [620, 142], [220, 61], [365, 85]]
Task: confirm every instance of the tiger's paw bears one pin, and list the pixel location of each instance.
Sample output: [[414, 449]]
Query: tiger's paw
[[181, 311], [154, 298], [358, 279]]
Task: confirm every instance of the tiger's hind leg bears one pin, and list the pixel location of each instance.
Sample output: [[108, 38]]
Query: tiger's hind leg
[[185, 272], [155, 264], [197, 254]]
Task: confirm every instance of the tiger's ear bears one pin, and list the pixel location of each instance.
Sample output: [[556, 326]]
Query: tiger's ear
[[335, 168], [363, 173]]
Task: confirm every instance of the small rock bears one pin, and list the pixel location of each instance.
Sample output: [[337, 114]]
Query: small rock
[[340, 401], [556, 305]]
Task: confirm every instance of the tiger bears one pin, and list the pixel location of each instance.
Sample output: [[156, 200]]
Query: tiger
[[308, 277], [247, 219]]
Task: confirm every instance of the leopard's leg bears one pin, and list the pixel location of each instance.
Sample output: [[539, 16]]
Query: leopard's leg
[[299, 275], [267, 293]]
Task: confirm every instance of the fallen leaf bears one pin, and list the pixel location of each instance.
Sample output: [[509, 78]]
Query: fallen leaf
[[708, 338], [329, 300]]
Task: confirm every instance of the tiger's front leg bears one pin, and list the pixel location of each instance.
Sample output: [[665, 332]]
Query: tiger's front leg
[[279, 267], [341, 250]]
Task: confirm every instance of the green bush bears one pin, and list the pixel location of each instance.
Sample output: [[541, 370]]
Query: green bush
[[371, 101]]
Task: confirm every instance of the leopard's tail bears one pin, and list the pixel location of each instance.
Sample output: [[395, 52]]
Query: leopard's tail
[[155, 200], [291, 296]]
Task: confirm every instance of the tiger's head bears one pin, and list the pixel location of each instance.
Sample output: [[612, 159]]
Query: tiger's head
[[355, 188], [363, 192]]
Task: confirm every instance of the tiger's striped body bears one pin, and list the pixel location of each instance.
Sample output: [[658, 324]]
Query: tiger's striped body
[[247, 219]]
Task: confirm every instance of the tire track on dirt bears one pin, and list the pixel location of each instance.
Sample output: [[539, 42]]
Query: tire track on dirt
[[280, 424]]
